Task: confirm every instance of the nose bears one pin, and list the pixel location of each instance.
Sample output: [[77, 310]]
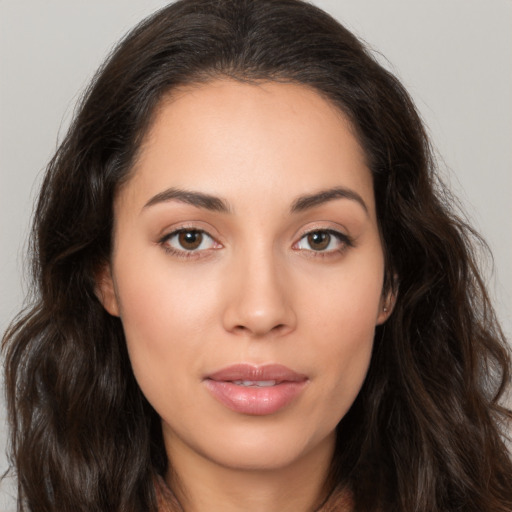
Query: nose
[[260, 299]]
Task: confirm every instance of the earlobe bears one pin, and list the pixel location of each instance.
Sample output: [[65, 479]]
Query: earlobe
[[387, 304], [385, 310], [105, 290]]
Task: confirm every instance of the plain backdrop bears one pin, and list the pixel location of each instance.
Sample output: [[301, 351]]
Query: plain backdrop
[[454, 56]]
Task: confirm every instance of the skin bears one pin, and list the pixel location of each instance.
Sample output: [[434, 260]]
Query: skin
[[255, 291]]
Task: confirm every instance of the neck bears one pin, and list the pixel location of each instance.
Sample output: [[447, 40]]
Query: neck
[[201, 485]]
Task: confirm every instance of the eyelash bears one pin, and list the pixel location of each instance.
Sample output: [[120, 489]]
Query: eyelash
[[184, 253], [343, 239]]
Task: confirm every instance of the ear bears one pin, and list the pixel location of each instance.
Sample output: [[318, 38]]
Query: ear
[[105, 290], [387, 303]]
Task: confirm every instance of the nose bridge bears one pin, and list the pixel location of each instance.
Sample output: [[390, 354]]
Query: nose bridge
[[260, 302]]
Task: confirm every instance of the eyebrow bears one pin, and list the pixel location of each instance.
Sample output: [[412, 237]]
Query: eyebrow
[[198, 199], [308, 201], [216, 204]]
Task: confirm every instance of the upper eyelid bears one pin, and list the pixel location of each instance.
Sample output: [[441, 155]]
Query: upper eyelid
[[338, 232], [164, 242], [176, 231], [326, 230], [345, 240], [192, 226], [341, 232]]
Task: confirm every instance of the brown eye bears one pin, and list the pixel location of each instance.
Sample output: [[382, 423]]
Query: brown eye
[[319, 240], [324, 242], [190, 240]]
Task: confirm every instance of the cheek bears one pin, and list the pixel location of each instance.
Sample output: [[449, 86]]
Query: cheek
[[346, 346], [347, 304], [343, 316], [166, 317]]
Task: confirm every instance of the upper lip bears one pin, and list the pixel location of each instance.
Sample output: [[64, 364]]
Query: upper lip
[[243, 371]]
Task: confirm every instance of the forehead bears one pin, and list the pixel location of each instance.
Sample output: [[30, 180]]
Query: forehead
[[235, 139]]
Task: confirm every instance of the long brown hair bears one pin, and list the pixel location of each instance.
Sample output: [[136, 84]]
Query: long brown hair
[[426, 432]]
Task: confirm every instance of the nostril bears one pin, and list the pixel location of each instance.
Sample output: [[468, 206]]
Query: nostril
[[243, 329], [257, 314]]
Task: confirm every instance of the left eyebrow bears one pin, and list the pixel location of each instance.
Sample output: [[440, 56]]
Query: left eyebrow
[[197, 199], [313, 200]]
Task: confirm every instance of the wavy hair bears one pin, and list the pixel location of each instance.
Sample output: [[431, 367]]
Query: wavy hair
[[426, 432]]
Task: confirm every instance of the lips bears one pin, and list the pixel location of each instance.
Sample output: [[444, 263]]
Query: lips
[[255, 390]]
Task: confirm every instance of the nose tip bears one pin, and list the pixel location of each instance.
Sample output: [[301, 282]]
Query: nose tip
[[259, 326], [260, 305]]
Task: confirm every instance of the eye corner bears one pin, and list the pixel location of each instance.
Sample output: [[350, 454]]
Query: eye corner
[[189, 242], [329, 242]]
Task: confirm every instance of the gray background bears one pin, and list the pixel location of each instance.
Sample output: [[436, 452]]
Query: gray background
[[454, 56]]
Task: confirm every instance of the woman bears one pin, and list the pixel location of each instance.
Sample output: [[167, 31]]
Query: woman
[[253, 294]]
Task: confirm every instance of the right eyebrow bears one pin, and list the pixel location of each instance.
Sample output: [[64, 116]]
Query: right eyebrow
[[198, 199], [313, 200]]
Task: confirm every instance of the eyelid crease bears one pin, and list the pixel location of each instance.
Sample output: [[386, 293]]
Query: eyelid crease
[[328, 226], [178, 231], [184, 253], [345, 240], [186, 225], [338, 234]]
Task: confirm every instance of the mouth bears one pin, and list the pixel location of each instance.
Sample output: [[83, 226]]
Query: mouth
[[255, 383], [255, 390]]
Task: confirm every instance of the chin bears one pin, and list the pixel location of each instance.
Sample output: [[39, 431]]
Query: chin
[[271, 447]]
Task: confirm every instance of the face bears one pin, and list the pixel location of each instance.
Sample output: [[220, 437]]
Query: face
[[247, 271]]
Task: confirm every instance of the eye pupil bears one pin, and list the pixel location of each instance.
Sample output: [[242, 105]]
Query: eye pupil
[[319, 240], [190, 239]]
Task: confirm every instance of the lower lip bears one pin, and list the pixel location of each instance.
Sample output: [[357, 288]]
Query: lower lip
[[257, 401]]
